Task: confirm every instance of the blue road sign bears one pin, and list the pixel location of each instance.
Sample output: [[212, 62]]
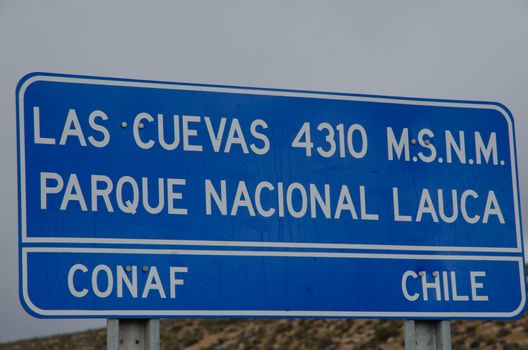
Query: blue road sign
[[153, 199]]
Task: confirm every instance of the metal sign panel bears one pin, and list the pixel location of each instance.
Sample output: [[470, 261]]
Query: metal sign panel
[[151, 199]]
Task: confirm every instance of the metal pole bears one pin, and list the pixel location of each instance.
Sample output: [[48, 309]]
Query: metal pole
[[427, 335], [133, 334]]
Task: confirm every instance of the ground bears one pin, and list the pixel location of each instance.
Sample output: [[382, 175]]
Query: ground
[[295, 334]]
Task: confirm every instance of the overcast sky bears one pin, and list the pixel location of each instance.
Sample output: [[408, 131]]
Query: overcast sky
[[468, 50]]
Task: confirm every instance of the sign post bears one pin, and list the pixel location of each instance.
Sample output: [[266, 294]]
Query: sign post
[[133, 334], [144, 199], [427, 335]]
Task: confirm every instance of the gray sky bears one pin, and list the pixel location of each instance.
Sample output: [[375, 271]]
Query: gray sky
[[469, 50]]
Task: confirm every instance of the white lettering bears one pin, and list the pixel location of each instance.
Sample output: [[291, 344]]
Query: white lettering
[[406, 294], [139, 120], [132, 285], [45, 189], [98, 127], [401, 146], [188, 133], [171, 196], [259, 136], [73, 192], [36, 130], [71, 274], [72, 127], [477, 285], [109, 281], [176, 281], [153, 283]]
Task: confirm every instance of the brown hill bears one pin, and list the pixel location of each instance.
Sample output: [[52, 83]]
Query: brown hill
[[201, 334]]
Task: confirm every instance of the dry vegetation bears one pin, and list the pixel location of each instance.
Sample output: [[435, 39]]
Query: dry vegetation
[[301, 334]]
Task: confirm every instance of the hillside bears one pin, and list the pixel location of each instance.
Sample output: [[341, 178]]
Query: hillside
[[301, 334]]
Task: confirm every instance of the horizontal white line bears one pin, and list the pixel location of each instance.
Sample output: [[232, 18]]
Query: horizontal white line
[[278, 313], [267, 244], [268, 253]]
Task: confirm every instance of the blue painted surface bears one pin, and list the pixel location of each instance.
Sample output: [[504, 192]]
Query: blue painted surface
[[266, 283], [244, 284]]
